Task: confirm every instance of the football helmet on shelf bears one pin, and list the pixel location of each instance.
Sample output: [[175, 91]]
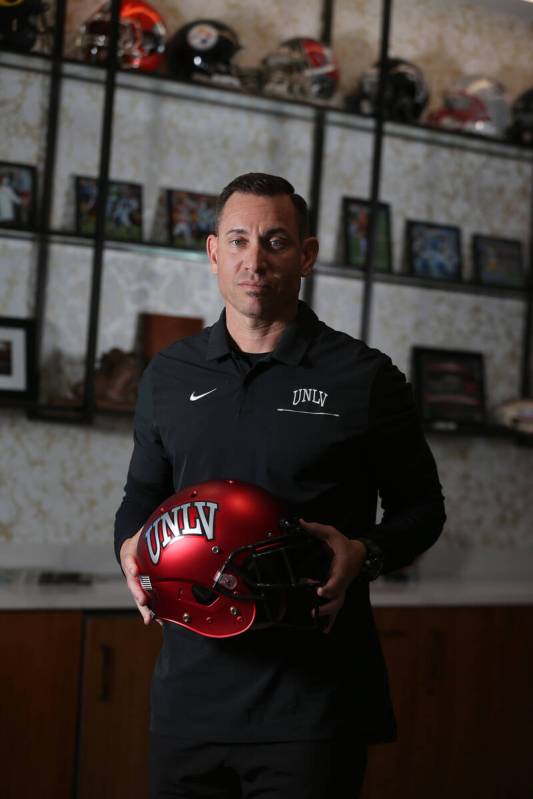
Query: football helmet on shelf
[[23, 23], [516, 414], [406, 91], [476, 104], [219, 556], [521, 129], [300, 67], [204, 48], [141, 39]]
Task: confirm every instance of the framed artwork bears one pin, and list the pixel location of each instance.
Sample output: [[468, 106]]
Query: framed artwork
[[355, 225], [433, 251], [190, 218], [449, 387], [123, 213], [17, 348], [498, 262], [18, 195]]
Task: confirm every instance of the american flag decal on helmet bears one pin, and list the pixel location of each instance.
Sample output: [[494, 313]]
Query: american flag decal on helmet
[[145, 582]]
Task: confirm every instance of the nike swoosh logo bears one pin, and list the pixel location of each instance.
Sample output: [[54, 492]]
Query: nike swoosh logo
[[195, 397]]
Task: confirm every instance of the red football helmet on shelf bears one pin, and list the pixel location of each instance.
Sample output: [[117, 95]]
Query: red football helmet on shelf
[[218, 556], [141, 40], [300, 67], [475, 103]]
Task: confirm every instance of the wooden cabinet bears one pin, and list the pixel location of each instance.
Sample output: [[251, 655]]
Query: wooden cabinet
[[119, 656], [75, 687], [39, 681], [460, 684]]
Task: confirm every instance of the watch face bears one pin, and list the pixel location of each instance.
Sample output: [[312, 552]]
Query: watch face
[[373, 563]]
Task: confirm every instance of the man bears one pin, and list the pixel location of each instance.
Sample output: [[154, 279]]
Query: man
[[272, 396]]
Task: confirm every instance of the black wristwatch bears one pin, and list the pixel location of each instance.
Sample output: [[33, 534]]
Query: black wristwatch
[[373, 562]]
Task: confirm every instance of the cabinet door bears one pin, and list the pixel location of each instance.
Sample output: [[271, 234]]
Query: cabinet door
[[120, 653], [390, 766], [39, 678], [460, 681]]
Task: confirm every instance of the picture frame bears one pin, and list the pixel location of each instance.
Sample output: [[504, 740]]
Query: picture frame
[[498, 262], [449, 387], [190, 218], [124, 210], [355, 224], [18, 196], [17, 351], [434, 251]]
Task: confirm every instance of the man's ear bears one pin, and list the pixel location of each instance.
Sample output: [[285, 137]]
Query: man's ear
[[212, 252], [310, 248]]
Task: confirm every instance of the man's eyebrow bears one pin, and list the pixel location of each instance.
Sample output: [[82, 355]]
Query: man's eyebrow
[[274, 230], [270, 232], [233, 230]]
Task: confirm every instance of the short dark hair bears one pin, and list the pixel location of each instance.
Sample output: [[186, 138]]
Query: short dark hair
[[263, 185]]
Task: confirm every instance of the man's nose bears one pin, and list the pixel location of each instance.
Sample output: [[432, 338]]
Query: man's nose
[[255, 257]]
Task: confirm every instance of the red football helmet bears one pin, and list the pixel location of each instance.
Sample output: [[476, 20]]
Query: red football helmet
[[220, 556], [476, 104], [141, 40], [300, 67]]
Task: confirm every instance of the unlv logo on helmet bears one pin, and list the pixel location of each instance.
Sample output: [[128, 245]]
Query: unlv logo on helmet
[[190, 518]]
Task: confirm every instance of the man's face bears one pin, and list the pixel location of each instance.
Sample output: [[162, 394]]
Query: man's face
[[258, 256]]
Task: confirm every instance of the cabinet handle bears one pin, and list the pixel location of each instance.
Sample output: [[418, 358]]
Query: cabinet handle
[[106, 673]]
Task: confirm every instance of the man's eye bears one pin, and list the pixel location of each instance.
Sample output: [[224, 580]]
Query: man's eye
[[277, 244], [237, 242]]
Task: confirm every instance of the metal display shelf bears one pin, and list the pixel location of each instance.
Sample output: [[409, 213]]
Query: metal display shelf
[[320, 115]]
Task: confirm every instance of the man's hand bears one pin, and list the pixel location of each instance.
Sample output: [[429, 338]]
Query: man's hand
[[348, 557], [131, 570]]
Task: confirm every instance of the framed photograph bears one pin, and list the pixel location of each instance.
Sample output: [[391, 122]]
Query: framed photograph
[[355, 224], [123, 214], [433, 251], [498, 262], [190, 217], [449, 387], [18, 195], [17, 347]]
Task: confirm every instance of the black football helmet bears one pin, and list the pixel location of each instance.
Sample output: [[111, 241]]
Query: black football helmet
[[406, 91], [203, 48], [521, 128], [23, 23]]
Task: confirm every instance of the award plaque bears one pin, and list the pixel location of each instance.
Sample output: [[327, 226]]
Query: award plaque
[[449, 387]]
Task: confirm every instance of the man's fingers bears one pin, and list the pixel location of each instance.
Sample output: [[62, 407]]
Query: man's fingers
[[145, 612], [330, 607], [318, 530], [334, 584], [136, 591], [130, 565]]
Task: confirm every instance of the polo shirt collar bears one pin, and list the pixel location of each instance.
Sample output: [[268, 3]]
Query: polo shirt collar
[[291, 347]]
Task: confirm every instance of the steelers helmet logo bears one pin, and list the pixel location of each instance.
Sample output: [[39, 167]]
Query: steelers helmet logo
[[202, 37]]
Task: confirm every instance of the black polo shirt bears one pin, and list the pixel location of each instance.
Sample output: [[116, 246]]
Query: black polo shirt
[[325, 423]]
